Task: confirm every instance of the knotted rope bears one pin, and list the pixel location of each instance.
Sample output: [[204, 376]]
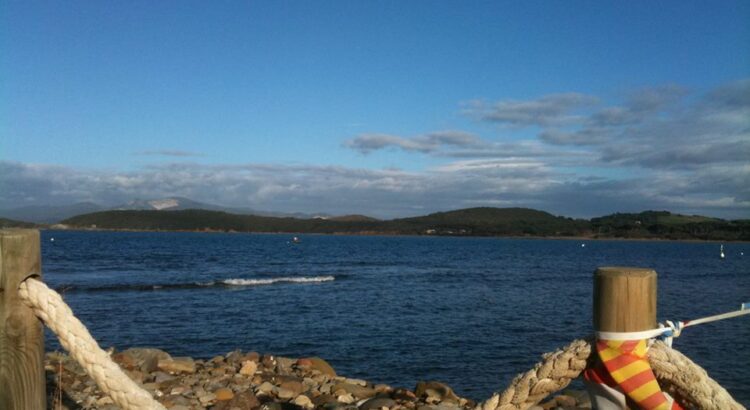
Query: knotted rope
[[76, 339], [677, 374]]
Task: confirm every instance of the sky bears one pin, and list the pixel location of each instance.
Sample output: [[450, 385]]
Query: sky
[[383, 108]]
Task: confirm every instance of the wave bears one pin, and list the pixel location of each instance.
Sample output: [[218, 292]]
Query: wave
[[226, 283], [271, 281]]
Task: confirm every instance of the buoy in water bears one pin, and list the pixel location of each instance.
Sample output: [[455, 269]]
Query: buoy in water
[[51, 239], [583, 245]]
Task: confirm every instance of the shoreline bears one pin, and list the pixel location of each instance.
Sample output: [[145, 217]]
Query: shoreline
[[393, 234], [254, 381]]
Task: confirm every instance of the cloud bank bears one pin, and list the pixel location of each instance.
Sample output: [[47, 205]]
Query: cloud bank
[[657, 148]]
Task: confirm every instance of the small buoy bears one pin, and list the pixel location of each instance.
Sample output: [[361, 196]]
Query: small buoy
[[583, 245], [51, 239]]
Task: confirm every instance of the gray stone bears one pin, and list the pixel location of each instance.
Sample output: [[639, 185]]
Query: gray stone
[[376, 403]]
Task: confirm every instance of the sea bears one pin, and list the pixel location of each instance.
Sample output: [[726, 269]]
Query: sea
[[470, 312]]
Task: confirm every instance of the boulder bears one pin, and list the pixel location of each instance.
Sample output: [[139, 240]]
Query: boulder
[[316, 363]]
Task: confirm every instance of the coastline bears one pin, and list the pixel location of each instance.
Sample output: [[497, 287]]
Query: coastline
[[254, 381], [395, 234]]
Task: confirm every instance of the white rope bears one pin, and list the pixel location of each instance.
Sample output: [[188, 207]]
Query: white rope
[[76, 339], [670, 329]]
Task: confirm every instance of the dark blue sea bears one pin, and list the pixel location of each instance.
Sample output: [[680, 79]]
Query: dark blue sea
[[471, 312]]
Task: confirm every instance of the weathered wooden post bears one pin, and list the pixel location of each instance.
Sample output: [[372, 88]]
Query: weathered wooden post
[[22, 383], [624, 299]]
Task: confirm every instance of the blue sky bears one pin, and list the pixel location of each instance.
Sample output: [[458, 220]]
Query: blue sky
[[384, 108]]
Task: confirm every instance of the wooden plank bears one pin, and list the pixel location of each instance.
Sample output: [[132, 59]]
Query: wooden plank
[[22, 382], [624, 299]]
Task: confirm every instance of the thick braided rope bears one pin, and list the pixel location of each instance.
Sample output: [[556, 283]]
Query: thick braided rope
[[553, 373], [682, 378], [676, 374], [76, 339]]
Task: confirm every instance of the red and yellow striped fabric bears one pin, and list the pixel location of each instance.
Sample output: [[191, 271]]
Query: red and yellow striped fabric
[[626, 362]]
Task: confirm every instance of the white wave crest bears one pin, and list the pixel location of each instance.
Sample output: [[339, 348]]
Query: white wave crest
[[271, 281]]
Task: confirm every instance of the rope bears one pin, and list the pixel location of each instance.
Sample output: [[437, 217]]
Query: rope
[[687, 381], [553, 373], [677, 374], [76, 339]]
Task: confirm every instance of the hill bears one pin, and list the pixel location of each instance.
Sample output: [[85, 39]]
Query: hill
[[10, 223], [492, 221], [472, 221], [663, 224], [49, 214]]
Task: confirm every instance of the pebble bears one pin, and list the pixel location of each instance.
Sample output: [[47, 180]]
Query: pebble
[[303, 401], [224, 394], [232, 381], [177, 365]]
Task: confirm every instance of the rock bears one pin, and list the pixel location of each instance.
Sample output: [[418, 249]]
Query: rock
[[358, 382], [146, 359], [284, 394], [446, 406], [293, 385], [303, 401], [376, 403], [345, 398], [207, 398], [243, 400], [252, 356], [304, 363], [249, 368], [104, 401], [161, 377], [383, 388], [357, 391], [284, 365], [316, 363], [404, 395], [177, 365], [435, 392], [265, 388], [224, 394], [323, 399], [268, 361], [179, 390]]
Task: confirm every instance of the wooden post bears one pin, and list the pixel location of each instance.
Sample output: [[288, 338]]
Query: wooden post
[[22, 382], [624, 299]]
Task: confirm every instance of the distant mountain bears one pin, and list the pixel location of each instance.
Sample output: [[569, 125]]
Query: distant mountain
[[10, 223], [54, 214], [179, 203], [352, 218], [166, 204], [49, 214]]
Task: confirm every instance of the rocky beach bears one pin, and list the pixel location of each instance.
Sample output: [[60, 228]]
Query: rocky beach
[[253, 381]]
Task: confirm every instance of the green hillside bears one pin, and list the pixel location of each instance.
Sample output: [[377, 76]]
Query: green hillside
[[10, 223], [492, 221], [517, 222], [663, 224]]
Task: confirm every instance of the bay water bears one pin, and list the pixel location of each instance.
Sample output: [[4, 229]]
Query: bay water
[[471, 312]]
